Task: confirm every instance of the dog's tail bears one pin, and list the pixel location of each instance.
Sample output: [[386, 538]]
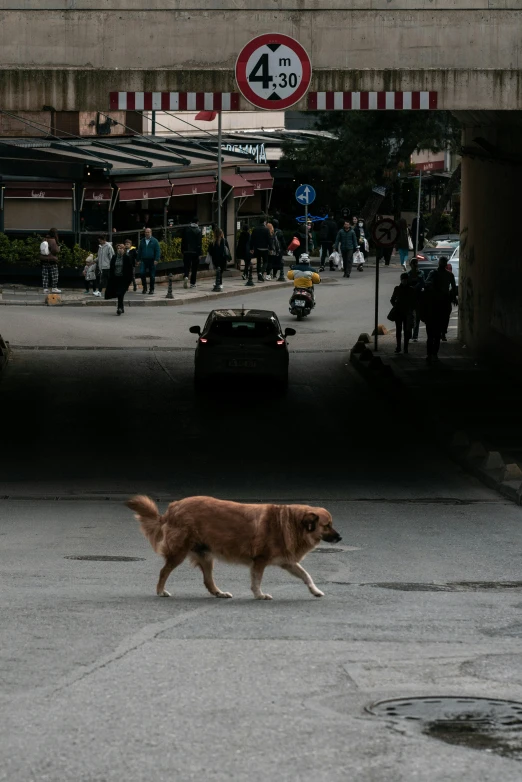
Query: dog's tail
[[150, 520]]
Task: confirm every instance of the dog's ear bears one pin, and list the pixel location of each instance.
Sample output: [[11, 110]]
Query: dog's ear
[[310, 521]]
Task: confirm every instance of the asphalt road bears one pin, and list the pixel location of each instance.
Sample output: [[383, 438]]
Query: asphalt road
[[100, 680]]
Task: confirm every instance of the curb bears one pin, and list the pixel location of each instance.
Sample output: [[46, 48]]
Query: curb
[[488, 466], [164, 302]]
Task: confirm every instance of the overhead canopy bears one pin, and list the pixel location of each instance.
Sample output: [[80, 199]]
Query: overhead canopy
[[62, 190], [101, 193], [138, 190], [241, 187], [193, 185], [261, 180]]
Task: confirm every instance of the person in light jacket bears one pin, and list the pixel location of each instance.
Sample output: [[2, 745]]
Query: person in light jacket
[[105, 254], [149, 254]]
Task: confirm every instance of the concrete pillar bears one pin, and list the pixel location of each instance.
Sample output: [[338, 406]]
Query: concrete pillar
[[490, 290]]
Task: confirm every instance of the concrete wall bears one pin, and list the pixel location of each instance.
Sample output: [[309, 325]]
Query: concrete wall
[[469, 51], [490, 290]]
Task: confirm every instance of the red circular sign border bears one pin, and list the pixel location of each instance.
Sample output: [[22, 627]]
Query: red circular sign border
[[377, 241], [262, 40]]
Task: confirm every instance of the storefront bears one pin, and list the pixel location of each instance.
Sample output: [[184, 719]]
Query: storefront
[[38, 206]]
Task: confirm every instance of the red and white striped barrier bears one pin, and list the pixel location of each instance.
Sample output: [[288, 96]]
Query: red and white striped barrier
[[174, 101], [366, 101]]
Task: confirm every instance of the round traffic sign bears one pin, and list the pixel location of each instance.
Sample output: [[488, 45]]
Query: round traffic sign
[[385, 232], [273, 71], [305, 194]]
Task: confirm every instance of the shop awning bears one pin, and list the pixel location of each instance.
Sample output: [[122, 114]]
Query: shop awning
[[241, 187], [102, 193], [193, 185], [261, 180], [62, 190], [152, 188]]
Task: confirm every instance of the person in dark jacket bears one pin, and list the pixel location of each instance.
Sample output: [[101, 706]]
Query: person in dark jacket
[[301, 238], [149, 254], [403, 301], [243, 249], [402, 244], [191, 247], [279, 262], [220, 253], [259, 246], [417, 281], [120, 277], [327, 234], [444, 294], [131, 251], [346, 243]]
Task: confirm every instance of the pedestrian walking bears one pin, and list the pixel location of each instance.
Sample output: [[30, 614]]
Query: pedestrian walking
[[403, 245], [273, 254], [105, 255], [49, 251], [445, 286], [90, 273], [219, 251], [327, 234], [243, 249], [300, 237], [382, 252], [417, 281], [191, 247], [259, 246], [346, 243], [355, 226], [403, 302], [131, 251], [149, 254], [279, 264], [120, 277]]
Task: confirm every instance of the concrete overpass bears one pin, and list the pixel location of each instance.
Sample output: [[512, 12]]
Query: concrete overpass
[[71, 54]]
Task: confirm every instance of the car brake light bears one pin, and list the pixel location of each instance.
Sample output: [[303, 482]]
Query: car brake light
[[421, 257], [280, 342], [204, 340]]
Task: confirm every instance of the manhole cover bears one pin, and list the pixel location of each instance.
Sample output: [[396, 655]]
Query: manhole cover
[[105, 558], [477, 711], [450, 586]]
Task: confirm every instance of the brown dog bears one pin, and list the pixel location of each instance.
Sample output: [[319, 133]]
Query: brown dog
[[205, 529]]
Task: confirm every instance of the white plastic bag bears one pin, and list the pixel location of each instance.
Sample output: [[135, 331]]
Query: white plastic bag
[[336, 259], [44, 248], [358, 258]]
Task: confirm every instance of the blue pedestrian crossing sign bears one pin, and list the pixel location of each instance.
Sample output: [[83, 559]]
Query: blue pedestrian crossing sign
[[305, 194]]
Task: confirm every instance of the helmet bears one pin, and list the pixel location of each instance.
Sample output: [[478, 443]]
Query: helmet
[[304, 258]]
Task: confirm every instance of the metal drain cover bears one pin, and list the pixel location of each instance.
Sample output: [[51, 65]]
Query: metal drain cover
[[104, 558], [472, 711]]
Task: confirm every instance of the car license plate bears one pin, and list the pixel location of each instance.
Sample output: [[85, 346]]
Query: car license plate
[[299, 303], [242, 362]]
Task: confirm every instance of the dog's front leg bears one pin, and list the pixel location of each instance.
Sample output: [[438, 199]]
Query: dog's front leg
[[256, 571], [299, 572]]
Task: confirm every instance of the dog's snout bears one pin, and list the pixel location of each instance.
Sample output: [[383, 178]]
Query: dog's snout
[[337, 539]]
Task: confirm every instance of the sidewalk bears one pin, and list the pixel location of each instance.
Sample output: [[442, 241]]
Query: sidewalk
[[233, 285], [472, 407]]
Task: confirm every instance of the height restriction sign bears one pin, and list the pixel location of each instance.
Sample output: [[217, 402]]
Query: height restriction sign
[[273, 71]]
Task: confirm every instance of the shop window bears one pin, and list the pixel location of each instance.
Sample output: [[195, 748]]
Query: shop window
[[22, 214]]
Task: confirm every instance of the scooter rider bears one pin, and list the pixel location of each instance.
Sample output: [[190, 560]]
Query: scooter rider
[[303, 274]]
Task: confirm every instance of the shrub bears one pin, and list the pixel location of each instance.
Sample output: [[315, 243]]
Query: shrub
[[26, 252]]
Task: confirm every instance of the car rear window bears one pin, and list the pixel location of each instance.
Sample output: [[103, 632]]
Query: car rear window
[[243, 329]]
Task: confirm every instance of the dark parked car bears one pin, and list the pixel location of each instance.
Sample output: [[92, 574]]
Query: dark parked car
[[434, 248], [242, 343]]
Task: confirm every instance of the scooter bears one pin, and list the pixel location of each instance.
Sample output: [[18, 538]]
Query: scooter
[[301, 302]]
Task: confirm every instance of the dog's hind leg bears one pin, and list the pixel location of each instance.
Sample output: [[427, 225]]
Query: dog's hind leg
[[256, 571], [171, 562], [206, 565], [299, 572]]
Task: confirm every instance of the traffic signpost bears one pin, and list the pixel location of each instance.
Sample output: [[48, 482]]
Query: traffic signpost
[[305, 194], [384, 234], [273, 71]]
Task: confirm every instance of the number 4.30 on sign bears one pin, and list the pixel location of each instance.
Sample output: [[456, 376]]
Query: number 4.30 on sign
[[273, 71]]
